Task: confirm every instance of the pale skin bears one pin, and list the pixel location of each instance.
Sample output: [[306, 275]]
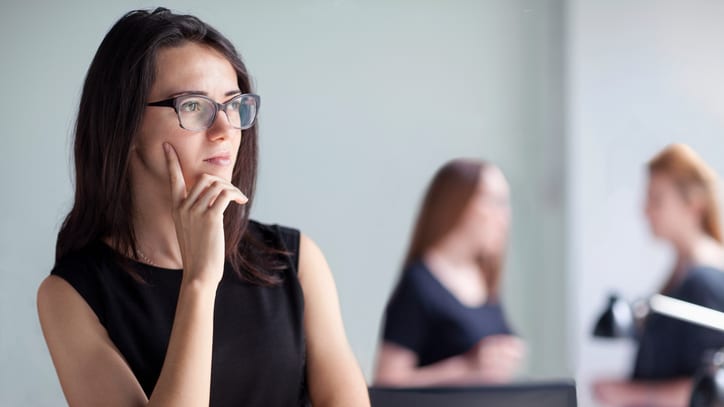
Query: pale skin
[[493, 360], [677, 221], [181, 188]]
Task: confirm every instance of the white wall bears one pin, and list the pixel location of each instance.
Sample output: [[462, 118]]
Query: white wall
[[362, 101], [641, 74]]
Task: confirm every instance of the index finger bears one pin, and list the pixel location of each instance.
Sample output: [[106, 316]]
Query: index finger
[[175, 175]]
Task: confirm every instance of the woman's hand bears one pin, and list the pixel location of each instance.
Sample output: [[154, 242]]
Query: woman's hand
[[660, 393], [496, 358], [611, 392], [198, 214]]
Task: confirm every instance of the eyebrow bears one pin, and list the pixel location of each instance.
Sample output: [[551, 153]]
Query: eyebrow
[[201, 92]]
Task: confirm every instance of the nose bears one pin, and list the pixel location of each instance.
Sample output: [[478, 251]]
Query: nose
[[221, 127]]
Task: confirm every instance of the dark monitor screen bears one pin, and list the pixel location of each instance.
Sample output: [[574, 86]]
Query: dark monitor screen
[[537, 394]]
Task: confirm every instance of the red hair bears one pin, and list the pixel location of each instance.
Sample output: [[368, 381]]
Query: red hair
[[691, 176]]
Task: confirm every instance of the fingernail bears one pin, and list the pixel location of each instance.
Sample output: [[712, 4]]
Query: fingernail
[[166, 147]]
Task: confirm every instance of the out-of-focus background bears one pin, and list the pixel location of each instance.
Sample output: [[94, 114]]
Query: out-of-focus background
[[362, 102]]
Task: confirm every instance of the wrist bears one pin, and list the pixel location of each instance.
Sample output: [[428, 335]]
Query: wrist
[[199, 286]]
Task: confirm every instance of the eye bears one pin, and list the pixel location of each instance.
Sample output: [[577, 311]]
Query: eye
[[193, 104], [235, 104], [190, 106]]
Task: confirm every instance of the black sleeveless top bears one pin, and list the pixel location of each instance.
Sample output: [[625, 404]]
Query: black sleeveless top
[[258, 354]]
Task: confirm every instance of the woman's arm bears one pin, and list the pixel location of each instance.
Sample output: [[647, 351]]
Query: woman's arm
[[92, 371], [493, 360], [620, 393], [397, 367], [334, 376]]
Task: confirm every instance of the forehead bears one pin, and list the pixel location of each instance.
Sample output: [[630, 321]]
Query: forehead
[[493, 181], [660, 181], [662, 185], [192, 66]]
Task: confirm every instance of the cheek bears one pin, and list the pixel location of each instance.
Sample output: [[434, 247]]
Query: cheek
[[657, 214], [493, 224], [666, 217]]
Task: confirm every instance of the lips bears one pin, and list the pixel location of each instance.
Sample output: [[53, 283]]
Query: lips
[[222, 159]]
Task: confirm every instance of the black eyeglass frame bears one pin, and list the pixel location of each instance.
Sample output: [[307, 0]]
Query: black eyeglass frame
[[174, 103]]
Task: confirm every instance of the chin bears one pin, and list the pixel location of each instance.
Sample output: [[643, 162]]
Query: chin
[[657, 233], [220, 172]]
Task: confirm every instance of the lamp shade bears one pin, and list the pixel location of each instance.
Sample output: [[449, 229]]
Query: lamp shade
[[616, 320]]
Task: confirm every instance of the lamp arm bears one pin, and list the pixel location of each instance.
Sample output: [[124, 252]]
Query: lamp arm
[[687, 311]]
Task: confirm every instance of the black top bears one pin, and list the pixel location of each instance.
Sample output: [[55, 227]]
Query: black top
[[670, 348], [258, 356], [426, 318]]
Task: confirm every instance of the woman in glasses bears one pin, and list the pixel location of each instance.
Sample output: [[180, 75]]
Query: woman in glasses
[[444, 323], [682, 208], [164, 292]]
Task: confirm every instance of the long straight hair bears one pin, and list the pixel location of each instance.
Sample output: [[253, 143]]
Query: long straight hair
[[691, 175], [448, 196], [111, 109]]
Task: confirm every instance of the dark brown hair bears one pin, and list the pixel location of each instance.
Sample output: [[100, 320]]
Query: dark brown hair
[[691, 175], [111, 108], [449, 194]]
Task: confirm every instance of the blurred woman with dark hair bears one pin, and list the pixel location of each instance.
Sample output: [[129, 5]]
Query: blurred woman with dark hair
[[682, 208], [444, 323]]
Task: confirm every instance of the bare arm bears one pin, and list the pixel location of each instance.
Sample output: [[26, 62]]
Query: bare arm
[[93, 372], [397, 366], [334, 375], [668, 393], [493, 360]]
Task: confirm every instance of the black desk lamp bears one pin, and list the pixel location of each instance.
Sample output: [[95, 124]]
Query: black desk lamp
[[620, 320]]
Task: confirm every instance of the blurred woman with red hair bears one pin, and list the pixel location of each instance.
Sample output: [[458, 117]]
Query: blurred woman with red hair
[[682, 208]]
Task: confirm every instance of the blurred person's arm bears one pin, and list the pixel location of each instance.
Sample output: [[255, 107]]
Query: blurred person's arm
[[665, 393], [493, 360]]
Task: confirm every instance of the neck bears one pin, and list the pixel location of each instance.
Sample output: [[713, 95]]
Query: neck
[[687, 242], [454, 250], [154, 225], [698, 248], [454, 262]]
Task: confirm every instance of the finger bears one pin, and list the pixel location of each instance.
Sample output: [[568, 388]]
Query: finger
[[208, 196], [227, 196], [175, 174], [204, 182], [241, 201]]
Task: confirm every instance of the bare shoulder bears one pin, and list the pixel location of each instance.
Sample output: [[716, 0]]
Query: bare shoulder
[[63, 313], [56, 296], [311, 259]]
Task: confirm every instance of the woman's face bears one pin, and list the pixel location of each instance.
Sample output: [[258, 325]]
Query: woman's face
[[666, 209], [197, 69], [489, 212]]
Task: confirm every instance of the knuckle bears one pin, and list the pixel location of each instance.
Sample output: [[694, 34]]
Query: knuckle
[[205, 178]]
